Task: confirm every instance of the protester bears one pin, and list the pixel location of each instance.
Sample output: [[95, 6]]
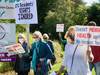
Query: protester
[[40, 55], [48, 41], [76, 56], [96, 54], [64, 41], [22, 64], [50, 45]]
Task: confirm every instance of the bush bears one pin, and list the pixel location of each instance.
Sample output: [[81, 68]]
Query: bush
[[6, 66]]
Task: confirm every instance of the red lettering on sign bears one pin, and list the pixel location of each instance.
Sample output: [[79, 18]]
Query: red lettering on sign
[[94, 29], [83, 35]]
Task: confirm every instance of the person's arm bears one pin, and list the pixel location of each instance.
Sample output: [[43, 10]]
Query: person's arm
[[62, 41], [31, 50], [90, 55], [60, 70]]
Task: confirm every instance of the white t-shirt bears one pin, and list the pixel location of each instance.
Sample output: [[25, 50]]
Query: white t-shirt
[[80, 62]]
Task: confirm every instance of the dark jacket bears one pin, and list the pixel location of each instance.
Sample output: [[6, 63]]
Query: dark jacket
[[23, 63], [49, 42], [42, 52], [63, 42]]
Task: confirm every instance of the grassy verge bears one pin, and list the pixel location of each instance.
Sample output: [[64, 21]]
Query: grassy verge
[[57, 66]]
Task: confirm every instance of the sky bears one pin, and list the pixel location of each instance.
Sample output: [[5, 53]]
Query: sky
[[89, 2]]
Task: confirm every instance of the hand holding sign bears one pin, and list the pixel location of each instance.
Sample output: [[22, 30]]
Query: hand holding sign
[[87, 35], [15, 48], [60, 28]]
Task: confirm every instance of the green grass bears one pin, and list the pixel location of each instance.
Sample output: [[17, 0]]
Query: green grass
[[57, 66]]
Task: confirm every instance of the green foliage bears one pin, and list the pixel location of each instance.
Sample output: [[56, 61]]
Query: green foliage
[[94, 13], [68, 12], [20, 28], [7, 21], [6, 66]]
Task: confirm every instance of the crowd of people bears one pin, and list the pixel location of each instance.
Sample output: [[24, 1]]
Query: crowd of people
[[78, 59]]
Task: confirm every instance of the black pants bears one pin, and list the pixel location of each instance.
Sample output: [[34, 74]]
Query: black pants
[[23, 73]]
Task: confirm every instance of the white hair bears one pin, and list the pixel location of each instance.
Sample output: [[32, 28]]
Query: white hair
[[38, 34]]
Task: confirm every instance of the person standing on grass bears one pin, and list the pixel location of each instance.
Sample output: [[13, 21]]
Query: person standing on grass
[[48, 41], [76, 57], [96, 53], [40, 55], [22, 64], [50, 45]]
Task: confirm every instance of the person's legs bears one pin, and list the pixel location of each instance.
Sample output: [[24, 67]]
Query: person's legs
[[19, 73], [97, 68], [37, 72], [23, 73], [91, 65], [44, 68]]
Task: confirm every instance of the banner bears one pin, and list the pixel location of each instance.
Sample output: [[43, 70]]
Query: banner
[[88, 35], [7, 9], [7, 37], [60, 28], [26, 12]]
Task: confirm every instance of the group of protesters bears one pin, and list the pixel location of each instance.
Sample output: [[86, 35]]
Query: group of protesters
[[41, 55], [78, 59]]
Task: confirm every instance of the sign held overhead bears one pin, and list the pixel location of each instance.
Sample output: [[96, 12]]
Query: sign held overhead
[[60, 28], [26, 12]]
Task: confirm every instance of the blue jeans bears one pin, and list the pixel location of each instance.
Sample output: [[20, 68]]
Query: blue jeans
[[97, 68]]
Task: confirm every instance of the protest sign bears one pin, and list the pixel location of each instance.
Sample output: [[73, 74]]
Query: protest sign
[[7, 33], [60, 28], [7, 9], [15, 48], [88, 35], [26, 12], [7, 37]]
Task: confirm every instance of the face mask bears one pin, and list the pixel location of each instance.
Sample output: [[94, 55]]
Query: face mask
[[72, 37], [21, 41]]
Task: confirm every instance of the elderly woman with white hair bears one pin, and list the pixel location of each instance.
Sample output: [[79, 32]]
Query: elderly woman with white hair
[[40, 54]]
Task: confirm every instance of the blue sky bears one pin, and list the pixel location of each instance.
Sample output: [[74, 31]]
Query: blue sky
[[89, 2]]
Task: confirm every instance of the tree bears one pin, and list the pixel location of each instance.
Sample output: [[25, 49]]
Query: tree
[[94, 13], [43, 6], [69, 12]]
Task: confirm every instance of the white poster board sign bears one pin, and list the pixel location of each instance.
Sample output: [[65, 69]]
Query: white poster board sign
[[7, 37], [7, 9], [26, 12], [60, 28], [15, 48], [88, 35], [7, 33]]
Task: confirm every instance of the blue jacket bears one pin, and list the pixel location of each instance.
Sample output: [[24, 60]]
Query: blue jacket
[[39, 50]]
